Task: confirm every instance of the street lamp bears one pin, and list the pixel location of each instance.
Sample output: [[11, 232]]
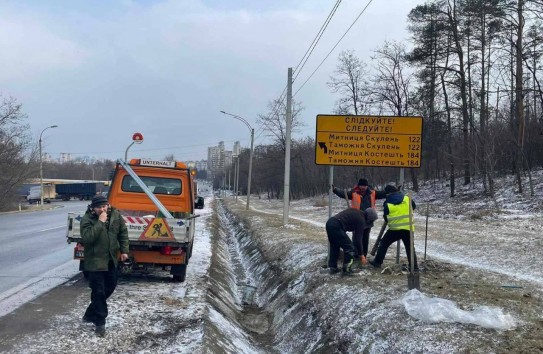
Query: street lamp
[[41, 165], [251, 155]]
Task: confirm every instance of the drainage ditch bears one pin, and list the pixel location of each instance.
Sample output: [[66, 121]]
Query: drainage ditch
[[258, 304], [237, 320]]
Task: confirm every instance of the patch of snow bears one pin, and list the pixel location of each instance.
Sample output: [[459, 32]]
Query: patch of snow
[[434, 309]]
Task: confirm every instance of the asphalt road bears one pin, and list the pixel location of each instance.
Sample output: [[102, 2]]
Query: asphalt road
[[34, 242]]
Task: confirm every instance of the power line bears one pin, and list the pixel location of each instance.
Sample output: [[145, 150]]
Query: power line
[[302, 61], [316, 40], [334, 47], [154, 149], [306, 56]]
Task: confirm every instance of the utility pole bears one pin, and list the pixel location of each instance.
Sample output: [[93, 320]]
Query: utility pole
[[237, 176], [286, 189], [250, 167]]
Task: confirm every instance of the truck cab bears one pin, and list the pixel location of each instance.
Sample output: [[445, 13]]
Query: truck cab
[[171, 182]]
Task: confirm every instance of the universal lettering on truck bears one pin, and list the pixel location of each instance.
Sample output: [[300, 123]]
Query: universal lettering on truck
[[157, 201], [170, 164]]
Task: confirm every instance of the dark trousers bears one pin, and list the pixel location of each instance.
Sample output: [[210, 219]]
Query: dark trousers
[[389, 238], [361, 243], [102, 285], [338, 238]]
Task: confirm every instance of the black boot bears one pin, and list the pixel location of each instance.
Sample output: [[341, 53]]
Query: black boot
[[333, 270], [101, 331]]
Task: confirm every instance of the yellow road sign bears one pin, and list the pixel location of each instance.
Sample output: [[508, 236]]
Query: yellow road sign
[[157, 229], [382, 141]]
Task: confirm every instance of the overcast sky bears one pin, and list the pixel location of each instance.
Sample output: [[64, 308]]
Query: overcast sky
[[102, 70]]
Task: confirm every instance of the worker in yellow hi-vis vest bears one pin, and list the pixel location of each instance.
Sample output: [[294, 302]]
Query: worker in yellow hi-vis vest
[[396, 213]]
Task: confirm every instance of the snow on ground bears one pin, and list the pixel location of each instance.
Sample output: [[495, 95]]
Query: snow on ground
[[478, 255], [467, 230]]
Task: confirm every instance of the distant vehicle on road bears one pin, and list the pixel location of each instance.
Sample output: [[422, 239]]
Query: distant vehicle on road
[[34, 194], [81, 191]]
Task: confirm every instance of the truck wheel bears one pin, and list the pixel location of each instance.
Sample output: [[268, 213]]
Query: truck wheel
[[178, 278], [179, 273]]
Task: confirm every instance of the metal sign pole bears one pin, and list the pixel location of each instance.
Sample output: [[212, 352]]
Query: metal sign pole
[[330, 197], [413, 281], [398, 242], [426, 230]]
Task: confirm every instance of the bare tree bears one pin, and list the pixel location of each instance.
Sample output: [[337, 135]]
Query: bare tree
[[274, 123], [16, 152], [390, 83], [347, 81]]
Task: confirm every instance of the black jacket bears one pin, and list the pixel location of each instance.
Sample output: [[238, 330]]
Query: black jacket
[[352, 220]]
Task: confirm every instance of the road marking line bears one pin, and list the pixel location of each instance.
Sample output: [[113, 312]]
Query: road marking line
[[52, 228]]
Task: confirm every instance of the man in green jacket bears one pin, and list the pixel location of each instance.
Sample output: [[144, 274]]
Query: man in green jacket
[[104, 235]]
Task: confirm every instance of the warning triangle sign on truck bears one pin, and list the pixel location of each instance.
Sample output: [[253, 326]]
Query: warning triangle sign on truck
[[158, 229]]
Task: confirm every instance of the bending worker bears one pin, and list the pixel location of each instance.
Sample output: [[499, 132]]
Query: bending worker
[[362, 196], [350, 219], [396, 213]]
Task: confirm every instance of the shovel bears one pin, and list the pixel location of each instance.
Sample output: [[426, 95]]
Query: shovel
[[376, 245], [413, 281]]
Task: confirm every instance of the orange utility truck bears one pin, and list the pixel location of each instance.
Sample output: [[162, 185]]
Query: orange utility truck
[[157, 201]]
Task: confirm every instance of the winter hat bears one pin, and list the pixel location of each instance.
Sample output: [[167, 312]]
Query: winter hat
[[363, 182], [98, 201], [371, 215], [390, 189]]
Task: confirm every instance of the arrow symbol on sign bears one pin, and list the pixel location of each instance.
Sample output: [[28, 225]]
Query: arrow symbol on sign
[[323, 146]]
